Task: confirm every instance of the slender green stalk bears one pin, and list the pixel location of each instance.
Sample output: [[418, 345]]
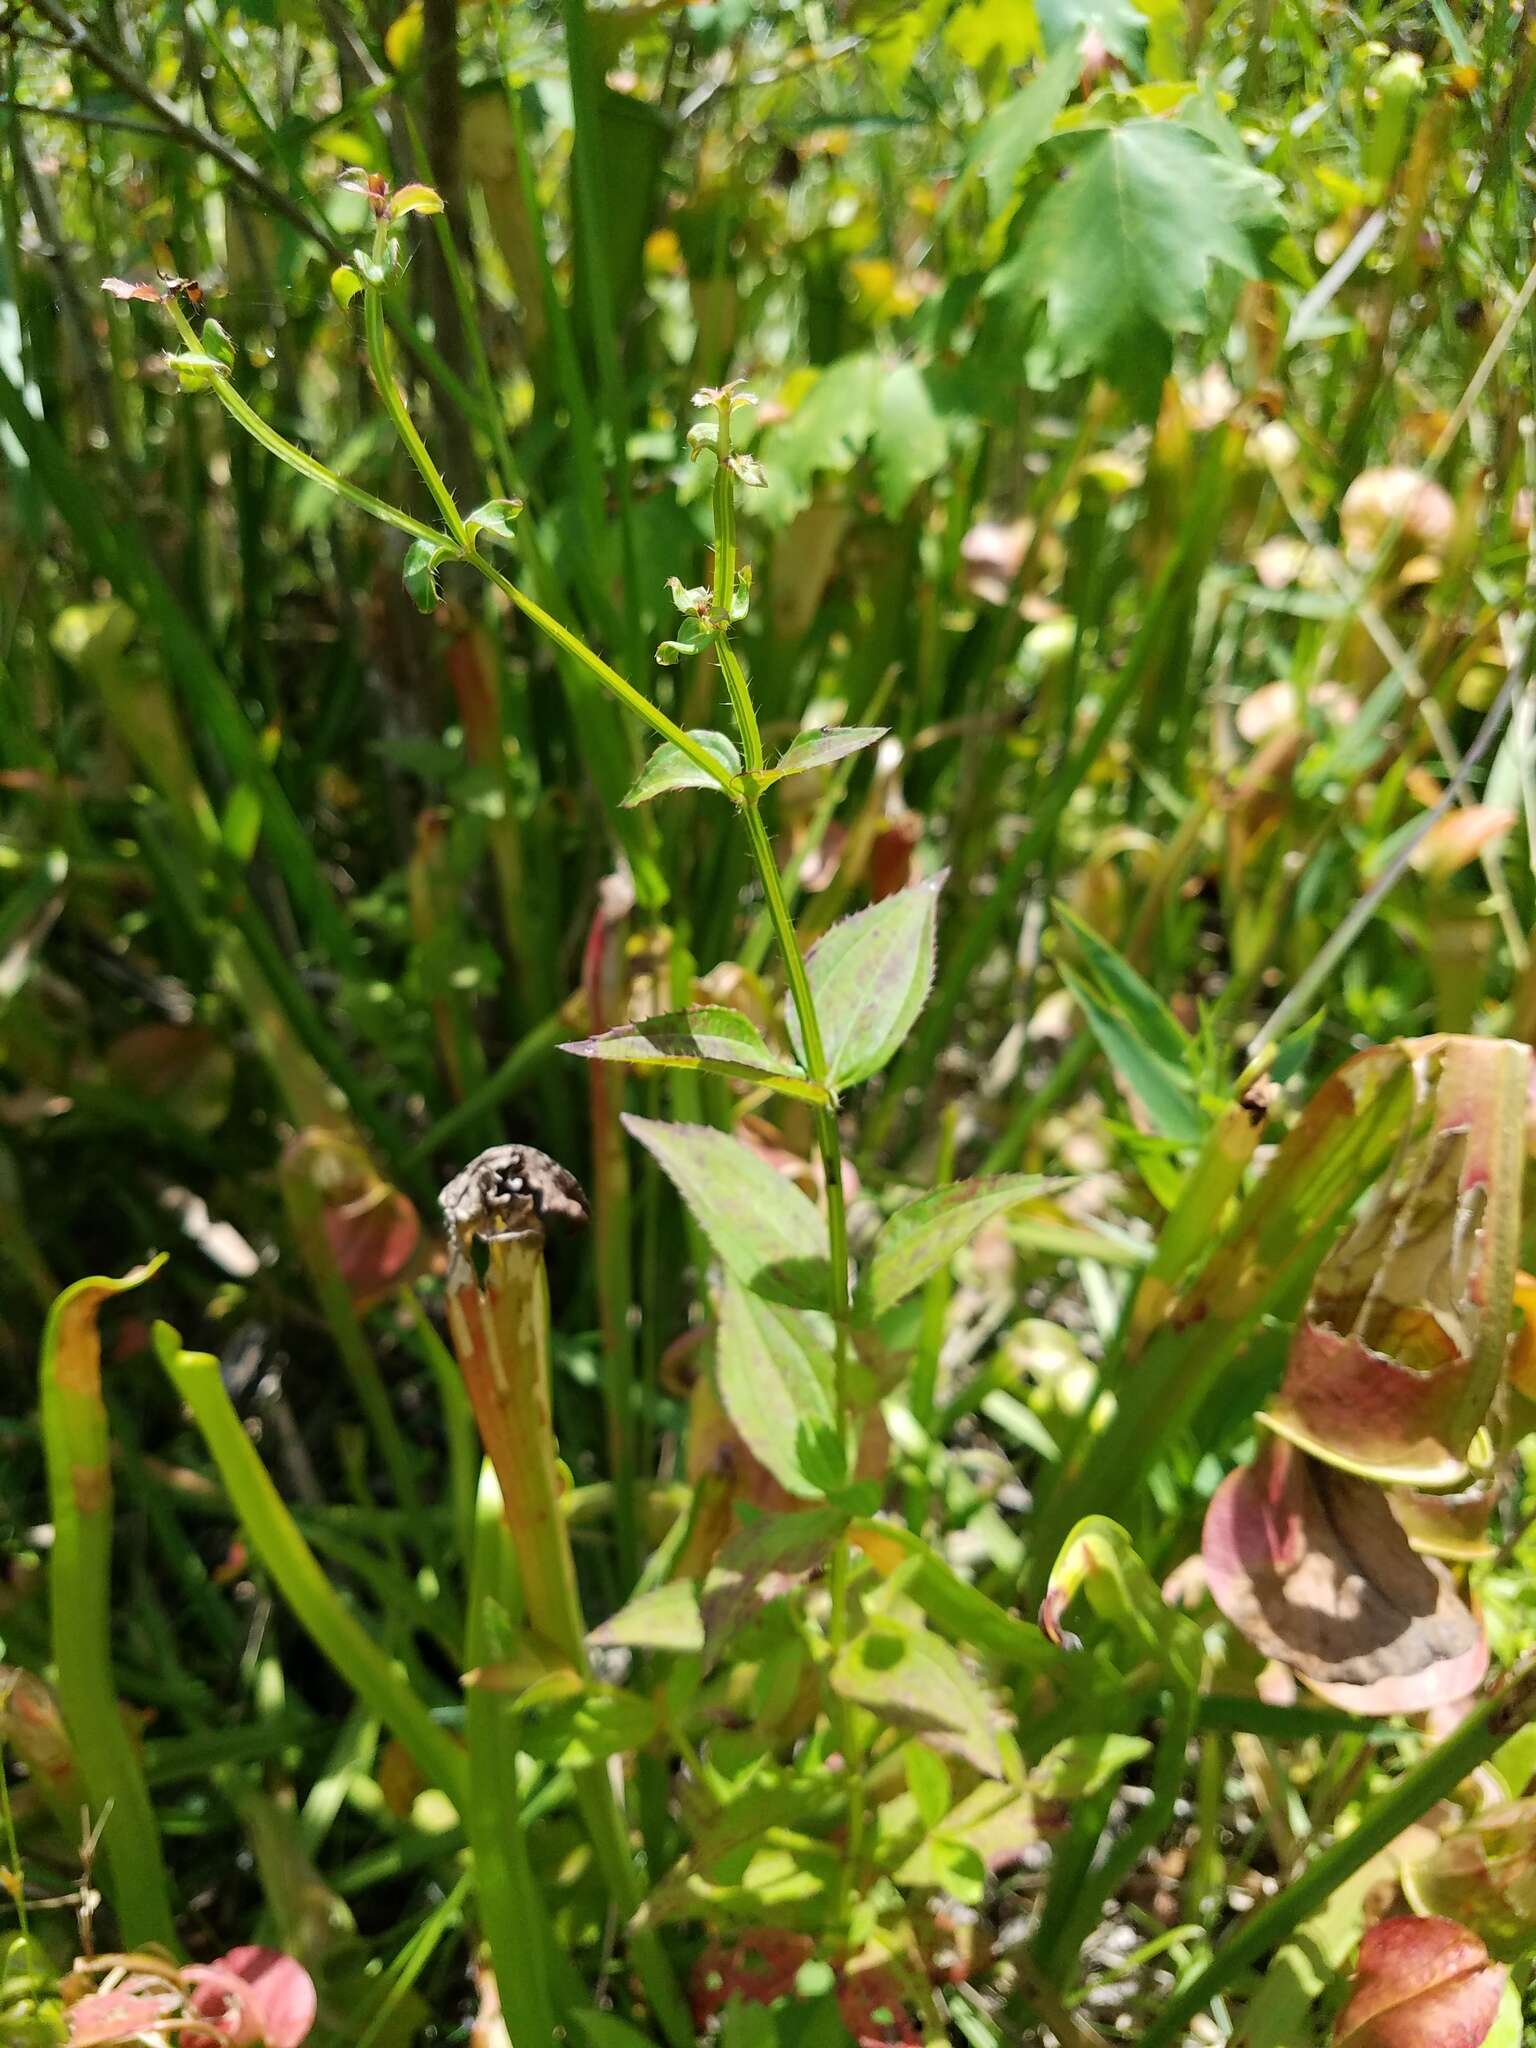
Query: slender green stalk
[[828, 1137], [458, 1419], [512, 1915], [389, 390], [1435, 1777], [275, 1539], [519, 1066], [457, 543], [306, 1219], [78, 1449], [589, 228]]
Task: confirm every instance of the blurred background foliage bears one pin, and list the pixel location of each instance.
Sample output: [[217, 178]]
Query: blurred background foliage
[[1142, 398]]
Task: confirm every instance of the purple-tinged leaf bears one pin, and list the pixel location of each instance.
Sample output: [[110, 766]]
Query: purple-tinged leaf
[[761, 1561], [870, 976], [764, 1232], [669, 768], [924, 1236], [713, 1040], [1310, 1564]]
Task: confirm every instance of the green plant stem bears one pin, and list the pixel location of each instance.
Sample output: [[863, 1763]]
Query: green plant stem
[[394, 401], [298, 1576], [1435, 1777], [77, 1445], [512, 1911], [458, 1420], [828, 1137], [306, 1219], [458, 543]]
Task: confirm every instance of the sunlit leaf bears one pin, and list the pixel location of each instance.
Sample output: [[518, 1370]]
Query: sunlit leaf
[[959, 1608], [1484, 1874], [1123, 253], [1084, 1764], [670, 768], [600, 1722], [767, 1236], [870, 976], [916, 1679], [414, 199], [667, 1618], [1099, 1561], [776, 1382], [924, 1236], [711, 1039], [817, 749]]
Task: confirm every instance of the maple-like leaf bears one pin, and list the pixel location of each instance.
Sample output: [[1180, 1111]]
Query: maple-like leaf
[[1125, 252]]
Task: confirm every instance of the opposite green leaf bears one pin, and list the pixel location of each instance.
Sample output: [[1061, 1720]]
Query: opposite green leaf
[[495, 520], [924, 1236], [761, 1228], [670, 768], [776, 1379], [870, 976], [817, 749], [423, 558], [712, 1039], [914, 1678], [666, 1618]]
